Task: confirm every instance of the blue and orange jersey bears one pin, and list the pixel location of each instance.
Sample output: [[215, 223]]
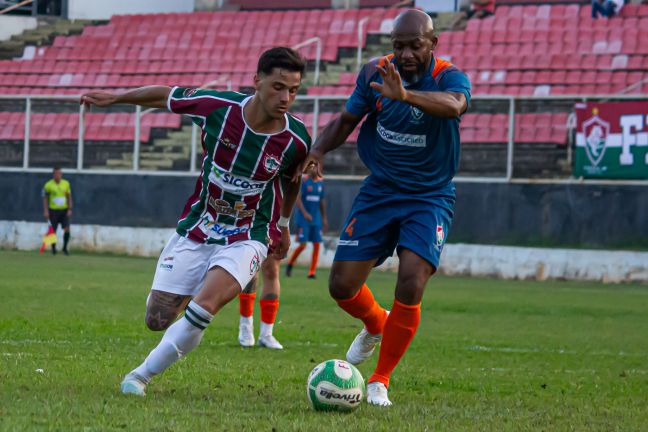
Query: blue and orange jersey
[[312, 192], [403, 147]]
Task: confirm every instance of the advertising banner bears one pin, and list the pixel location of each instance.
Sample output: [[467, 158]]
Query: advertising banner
[[612, 140]]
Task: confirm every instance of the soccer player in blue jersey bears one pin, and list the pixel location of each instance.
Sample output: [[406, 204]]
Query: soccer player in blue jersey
[[413, 102], [311, 219]]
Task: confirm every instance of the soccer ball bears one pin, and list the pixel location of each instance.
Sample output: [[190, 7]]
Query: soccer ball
[[335, 385]]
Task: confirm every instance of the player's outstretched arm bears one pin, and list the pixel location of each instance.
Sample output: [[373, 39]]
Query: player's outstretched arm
[[150, 97], [333, 136], [444, 104]]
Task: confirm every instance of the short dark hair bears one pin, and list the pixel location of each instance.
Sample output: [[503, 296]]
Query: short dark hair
[[56, 168], [282, 58]]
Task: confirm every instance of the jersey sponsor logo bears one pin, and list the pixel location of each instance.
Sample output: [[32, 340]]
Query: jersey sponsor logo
[[314, 198], [166, 267], [224, 208], [596, 132], [254, 264], [227, 143], [215, 230], [347, 242], [401, 139], [234, 184], [271, 164]]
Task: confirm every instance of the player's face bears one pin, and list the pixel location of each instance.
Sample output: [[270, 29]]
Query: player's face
[[58, 175], [413, 55], [277, 91]]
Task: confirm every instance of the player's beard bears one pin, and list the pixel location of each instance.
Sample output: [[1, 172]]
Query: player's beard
[[410, 78]]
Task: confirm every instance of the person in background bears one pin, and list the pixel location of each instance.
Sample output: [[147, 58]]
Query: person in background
[[478, 9], [57, 206], [606, 8]]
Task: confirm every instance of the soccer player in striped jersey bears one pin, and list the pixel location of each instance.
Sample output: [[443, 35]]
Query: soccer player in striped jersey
[[252, 148], [410, 142]]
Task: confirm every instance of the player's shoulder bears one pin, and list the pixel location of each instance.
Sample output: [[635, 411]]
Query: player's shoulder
[[297, 127], [444, 68], [48, 184], [65, 183]]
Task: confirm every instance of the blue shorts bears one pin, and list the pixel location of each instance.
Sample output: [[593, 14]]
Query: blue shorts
[[309, 233], [382, 220]]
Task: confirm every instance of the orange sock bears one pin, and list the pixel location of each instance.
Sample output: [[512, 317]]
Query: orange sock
[[398, 333], [296, 253], [269, 310], [314, 258], [246, 304], [363, 306]]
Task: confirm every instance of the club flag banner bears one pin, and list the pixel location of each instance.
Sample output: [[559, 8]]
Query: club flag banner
[[48, 239], [612, 140]]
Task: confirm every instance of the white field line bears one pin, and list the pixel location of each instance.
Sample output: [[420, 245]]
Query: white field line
[[558, 351]]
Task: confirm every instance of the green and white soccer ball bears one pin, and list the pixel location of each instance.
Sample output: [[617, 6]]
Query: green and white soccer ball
[[335, 385]]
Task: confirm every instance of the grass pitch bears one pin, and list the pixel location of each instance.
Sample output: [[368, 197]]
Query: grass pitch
[[489, 355]]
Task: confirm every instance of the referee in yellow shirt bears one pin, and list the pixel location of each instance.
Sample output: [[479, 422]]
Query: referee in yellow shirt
[[57, 206]]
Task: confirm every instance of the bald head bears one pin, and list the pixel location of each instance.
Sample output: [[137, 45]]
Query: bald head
[[413, 41], [413, 23]]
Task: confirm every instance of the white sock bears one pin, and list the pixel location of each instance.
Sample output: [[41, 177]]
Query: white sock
[[179, 339], [265, 329], [247, 321]]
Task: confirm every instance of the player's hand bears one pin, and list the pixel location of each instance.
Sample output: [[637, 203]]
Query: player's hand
[[325, 225], [392, 86], [308, 217], [281, 250], [314, 158], [69, 213], [98, 99]]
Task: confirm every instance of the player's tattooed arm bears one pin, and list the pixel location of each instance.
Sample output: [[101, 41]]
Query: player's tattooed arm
[[163, 308], [149, 96]]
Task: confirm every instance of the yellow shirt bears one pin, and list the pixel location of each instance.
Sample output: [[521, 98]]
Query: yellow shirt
[[57, 194]]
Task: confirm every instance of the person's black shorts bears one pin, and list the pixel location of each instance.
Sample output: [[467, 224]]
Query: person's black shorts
[[57, 217]]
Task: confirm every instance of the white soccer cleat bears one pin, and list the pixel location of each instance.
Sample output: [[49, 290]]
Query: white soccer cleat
[[133, 384], [269, 341], [377, 394], [246, 335], [362, 347]]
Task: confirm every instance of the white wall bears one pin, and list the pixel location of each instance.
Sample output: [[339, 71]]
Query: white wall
[[11, 25], [102, 9], [457, 259], [437, 5]]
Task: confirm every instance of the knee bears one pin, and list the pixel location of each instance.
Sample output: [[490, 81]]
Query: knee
[[410, 287], [341, 287]]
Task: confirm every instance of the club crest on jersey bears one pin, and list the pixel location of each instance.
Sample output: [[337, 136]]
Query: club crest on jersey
[[254, 264], [596, 132], [189, 92], [416, 113], [225, 142], [440, 235], [271, 164]]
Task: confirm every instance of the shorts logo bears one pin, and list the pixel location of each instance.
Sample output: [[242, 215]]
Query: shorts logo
[[166, 267], [254, 264], [169, 258], [440, 235], [271, 164]]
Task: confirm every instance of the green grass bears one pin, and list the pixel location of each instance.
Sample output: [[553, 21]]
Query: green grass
[[489, 355]]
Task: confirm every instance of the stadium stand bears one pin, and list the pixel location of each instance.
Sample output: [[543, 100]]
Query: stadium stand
[[521, 51]]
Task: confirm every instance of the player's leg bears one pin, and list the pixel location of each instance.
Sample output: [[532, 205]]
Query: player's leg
[[269, 303], [301, 239], [369, 236], [315, 237], [246, 313], [423, 229], [162, 309], [54, 222], [401, 324], [65, 223], [231, 269]]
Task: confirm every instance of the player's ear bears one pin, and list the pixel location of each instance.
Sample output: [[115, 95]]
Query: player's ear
[[433, 42], [257, 81]]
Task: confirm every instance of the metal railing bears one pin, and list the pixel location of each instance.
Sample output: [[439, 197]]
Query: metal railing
[[316, 101]]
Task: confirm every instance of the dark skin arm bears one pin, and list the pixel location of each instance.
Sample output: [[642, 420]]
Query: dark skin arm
[[438, 104], [333, 136], [302, 209], [324, 218], [150, 97]]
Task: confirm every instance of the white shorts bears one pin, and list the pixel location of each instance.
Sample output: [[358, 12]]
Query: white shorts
[[184, 263]]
